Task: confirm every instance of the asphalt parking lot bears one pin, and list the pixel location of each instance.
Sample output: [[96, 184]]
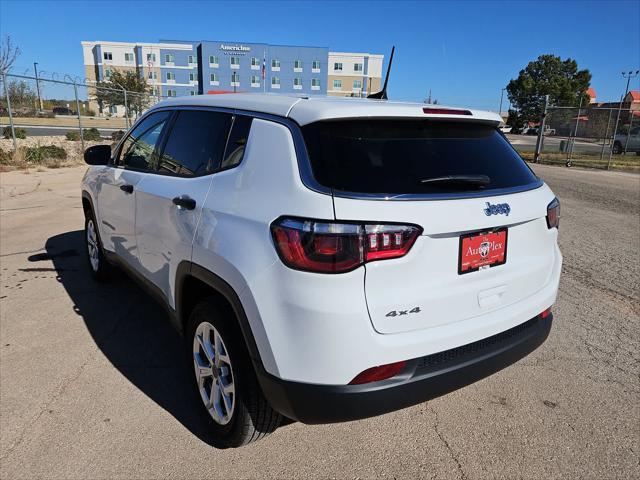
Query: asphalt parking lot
[[91, 382]]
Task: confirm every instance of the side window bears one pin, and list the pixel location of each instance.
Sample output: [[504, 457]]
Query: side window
[[237, 140], [138, 148], [196, 142]]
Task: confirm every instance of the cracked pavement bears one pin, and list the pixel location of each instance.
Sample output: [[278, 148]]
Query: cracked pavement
[[92, 383]]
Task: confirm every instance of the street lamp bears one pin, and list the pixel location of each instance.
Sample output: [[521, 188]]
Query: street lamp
[[35, 68], [501, 95]]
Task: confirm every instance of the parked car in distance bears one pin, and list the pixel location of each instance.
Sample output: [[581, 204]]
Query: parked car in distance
[[632, 144], [506, 128], [63, 111], [326, 259]]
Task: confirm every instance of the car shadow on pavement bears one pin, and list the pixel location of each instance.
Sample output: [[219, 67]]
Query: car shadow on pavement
[[130, 329]]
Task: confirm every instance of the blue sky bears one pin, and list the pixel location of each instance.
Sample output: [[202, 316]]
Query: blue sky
[[465, 52]]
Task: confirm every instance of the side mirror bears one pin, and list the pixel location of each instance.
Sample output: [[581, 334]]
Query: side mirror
[[98, 155]]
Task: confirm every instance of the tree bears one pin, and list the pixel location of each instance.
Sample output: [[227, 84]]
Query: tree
[[110, 92], [23, 98], [8, 54], [548, 75]]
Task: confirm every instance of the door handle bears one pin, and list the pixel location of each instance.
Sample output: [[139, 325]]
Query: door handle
[[185, 202], [126, 188]]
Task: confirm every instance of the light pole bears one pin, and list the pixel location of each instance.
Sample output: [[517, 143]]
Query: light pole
[[35, 67], [629, 75]]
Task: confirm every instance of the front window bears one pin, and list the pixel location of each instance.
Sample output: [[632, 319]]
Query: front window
[[337, 66], [171, 93], [316, 65], [357, 67], [275, 63], [192, 77], [357, 84], [315, 82], [297, 64], [235, 78], [214, 77], [151, 57], [255, 62], [337, 84], [192, 59], [297, 82], [382, 156], [152, 76], [275, 81], [235, 60], [255, 80], [128, 57], [108, 56], [213, 60], [168, 58], [171, 76]]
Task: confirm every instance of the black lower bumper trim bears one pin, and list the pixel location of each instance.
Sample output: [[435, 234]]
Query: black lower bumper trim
[[423, 379]]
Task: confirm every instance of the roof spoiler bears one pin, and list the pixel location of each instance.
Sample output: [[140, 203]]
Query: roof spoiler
[[382, 94]]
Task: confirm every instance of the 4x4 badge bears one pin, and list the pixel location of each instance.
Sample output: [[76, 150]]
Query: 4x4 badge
[[497, 209]]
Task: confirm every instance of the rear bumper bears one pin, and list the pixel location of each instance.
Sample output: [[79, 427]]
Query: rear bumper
[[422, 379]]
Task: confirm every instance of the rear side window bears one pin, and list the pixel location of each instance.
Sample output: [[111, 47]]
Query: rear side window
[[196, 143], [396, 156], [237, 141], [138, 149]]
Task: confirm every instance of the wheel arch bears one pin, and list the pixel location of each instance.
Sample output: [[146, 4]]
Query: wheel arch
[[193, 283]]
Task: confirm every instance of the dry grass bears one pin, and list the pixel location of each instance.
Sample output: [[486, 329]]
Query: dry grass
[[12, 161], [628, 163]]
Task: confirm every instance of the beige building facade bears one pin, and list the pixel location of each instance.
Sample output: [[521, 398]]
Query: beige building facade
[[354, 74]]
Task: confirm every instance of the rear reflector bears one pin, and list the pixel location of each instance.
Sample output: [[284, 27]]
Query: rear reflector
[[376, 374], [332, 247], [546, 313], [445, 111]]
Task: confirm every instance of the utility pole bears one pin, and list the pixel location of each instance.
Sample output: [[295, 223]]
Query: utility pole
[[501, 95], [35, 67], [628, 76]]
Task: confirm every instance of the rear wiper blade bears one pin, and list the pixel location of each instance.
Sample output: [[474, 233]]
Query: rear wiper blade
[[475, 180]]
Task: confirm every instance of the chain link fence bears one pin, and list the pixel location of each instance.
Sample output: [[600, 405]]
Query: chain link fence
[[605, 136], [39, 114]]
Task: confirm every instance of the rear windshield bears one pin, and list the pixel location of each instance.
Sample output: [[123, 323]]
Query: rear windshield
[[396, 156]]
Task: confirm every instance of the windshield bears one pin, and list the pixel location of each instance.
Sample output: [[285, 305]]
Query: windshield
[[397, 156]]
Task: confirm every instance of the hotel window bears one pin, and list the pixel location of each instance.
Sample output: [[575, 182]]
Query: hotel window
[[357, 84], [171, 76], [255, 80], [152, 76], [315, 84], [151, 57], [297, 65], [113, 109], [235, 62], [357, 67], [128, 57], [337, 66], [192, 93], [213, 60], [337, 84], [213, 78], [235, 79], [297, 83], [193, 59], [107, 55], [154, 91], [171, 93], [168, 58], [315, 66], [275, 82], [107, 73], [255, 63], [192, 77], [275, 64]]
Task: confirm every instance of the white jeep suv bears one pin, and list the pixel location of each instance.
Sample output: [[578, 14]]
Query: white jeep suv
[[327, 259]]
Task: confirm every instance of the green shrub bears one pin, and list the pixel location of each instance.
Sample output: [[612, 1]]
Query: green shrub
[[116, 136], [91, 134], [43, 153], [20, 132], [89, 112], [73, 135]]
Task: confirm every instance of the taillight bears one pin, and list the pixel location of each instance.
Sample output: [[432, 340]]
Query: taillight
[[545, 313], [445, 111], [333, 247], [376, 374], [553, 214]]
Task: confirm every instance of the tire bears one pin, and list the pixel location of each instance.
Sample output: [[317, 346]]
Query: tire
[[99, 267], [617, 148], [239, 413]]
